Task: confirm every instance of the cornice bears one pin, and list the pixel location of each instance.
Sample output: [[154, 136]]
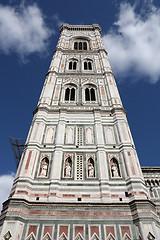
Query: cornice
[[81, 74], [70, 51], [69, 27]]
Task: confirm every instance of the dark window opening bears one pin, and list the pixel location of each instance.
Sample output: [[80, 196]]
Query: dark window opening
[[80, 45], [126, 194], [85, 65], [67, 94], [87, 95], [70, 65], [93, 97], [90, 94], [89, 66], [76, 45], [84, 46], [70, 94], [74, 65], [72, 97]]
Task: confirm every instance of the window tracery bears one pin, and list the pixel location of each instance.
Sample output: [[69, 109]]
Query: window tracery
[[79, 167], [90, 95], [80, 45], [70, 93], [72, 65], [79, 136], [87, 65]]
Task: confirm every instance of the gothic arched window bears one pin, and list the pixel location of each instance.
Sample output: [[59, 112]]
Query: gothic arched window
[[84, 46], [87, 65], [70, 93], [80, 45], [72, 65], [67, 94], [75, 45], [90, 94]]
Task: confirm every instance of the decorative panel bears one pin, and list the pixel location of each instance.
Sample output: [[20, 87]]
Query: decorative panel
[[32, 232], [50, 134], [109, 135], [94, 232], [70, 135], [63, 232], [47, 232], [110, 233], [68, 165], [126, 232], [89, 135], [78, 232]]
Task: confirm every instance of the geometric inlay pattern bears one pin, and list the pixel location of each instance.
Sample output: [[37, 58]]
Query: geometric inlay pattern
[[63, 237], [7, 236], [79, 237], [150, 236]]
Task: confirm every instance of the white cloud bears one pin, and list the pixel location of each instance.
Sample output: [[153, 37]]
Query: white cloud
[[6, 182], [58, 21], [134, 44], [23, 31]]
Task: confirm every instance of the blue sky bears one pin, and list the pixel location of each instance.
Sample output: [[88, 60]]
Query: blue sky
[[29, 31]]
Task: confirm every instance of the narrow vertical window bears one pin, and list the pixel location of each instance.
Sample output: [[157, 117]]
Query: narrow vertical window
[[70, 94], [72, 97], [79, 136], [85, 65], [84, 46], [92, 93], [70, 65], [89, 65], [76, 45], [87, 95], [74, 65], [79, 167], [80, 45], [67, 94]]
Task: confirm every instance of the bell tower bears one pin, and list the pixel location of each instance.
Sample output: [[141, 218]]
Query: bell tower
[[79, 176]]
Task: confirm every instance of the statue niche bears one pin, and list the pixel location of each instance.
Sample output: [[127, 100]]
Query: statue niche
[[115, 172], [44, 167], [68, 167], [91, 168]]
